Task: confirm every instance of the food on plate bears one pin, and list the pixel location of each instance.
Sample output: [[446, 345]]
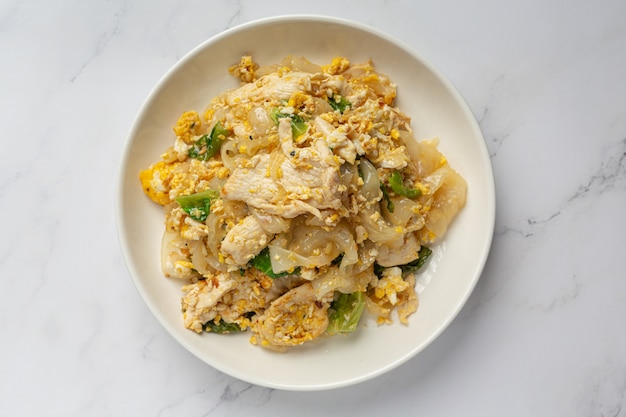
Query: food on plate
[[299, 201]]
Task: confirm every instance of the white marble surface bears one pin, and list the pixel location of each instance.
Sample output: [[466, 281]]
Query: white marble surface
[[544, 332]]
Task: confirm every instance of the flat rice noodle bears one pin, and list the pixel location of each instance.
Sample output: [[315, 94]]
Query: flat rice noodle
[[203, 261], [334, 279], [286, 260], [378, 229], [300, 63], [173, 248], [404, 209], [448, 199], [371, 183], [312, 246]]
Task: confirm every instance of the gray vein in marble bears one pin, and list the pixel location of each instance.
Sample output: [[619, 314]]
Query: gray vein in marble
[[236, 389], [43, 273], [606, 393], [103, 41], [239, 391], [89, 336], [229, 17], [235, 392], [494, 141], [8, 180], [611, 174], [146, 352], [172, 406], [566, 296], [234, 19], [9, 15]]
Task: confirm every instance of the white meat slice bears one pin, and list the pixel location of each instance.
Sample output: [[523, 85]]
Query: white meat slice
[[333, 83], [307, 182], [202, 296], [245, 240], [272, 85], [398, 252], [285, 135], [294, 318], [337, 140], [270, 223]]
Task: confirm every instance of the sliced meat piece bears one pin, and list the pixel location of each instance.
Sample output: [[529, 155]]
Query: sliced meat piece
[[245, 240], [399, 252], [337, 140], [306, 182], [294, 318], [201, 297], [271, 85]]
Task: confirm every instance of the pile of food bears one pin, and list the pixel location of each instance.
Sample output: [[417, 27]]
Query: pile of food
[[298, 201]]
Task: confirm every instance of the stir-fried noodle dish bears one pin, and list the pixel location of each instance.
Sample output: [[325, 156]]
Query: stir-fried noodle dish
[[298, 202]]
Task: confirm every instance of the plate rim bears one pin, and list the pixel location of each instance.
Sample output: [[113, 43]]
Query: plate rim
[[309, 18]]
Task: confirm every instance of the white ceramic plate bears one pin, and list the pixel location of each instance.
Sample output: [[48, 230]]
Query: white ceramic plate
[[436, 109]]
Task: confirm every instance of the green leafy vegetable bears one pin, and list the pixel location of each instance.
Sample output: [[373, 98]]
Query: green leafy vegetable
[[221, 327], [263, 263], [345, 312], [337, 260], [396, 184], [412, 266], [208, 145], [298, 124], [198, 205], [339, 103], [390, 206], [423, 255]]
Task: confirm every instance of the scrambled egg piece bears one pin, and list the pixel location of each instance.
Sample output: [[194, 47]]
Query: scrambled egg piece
[[155, 182], [188, 126], [337, 66], [245, 69], [164, 181], [392, 290]]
